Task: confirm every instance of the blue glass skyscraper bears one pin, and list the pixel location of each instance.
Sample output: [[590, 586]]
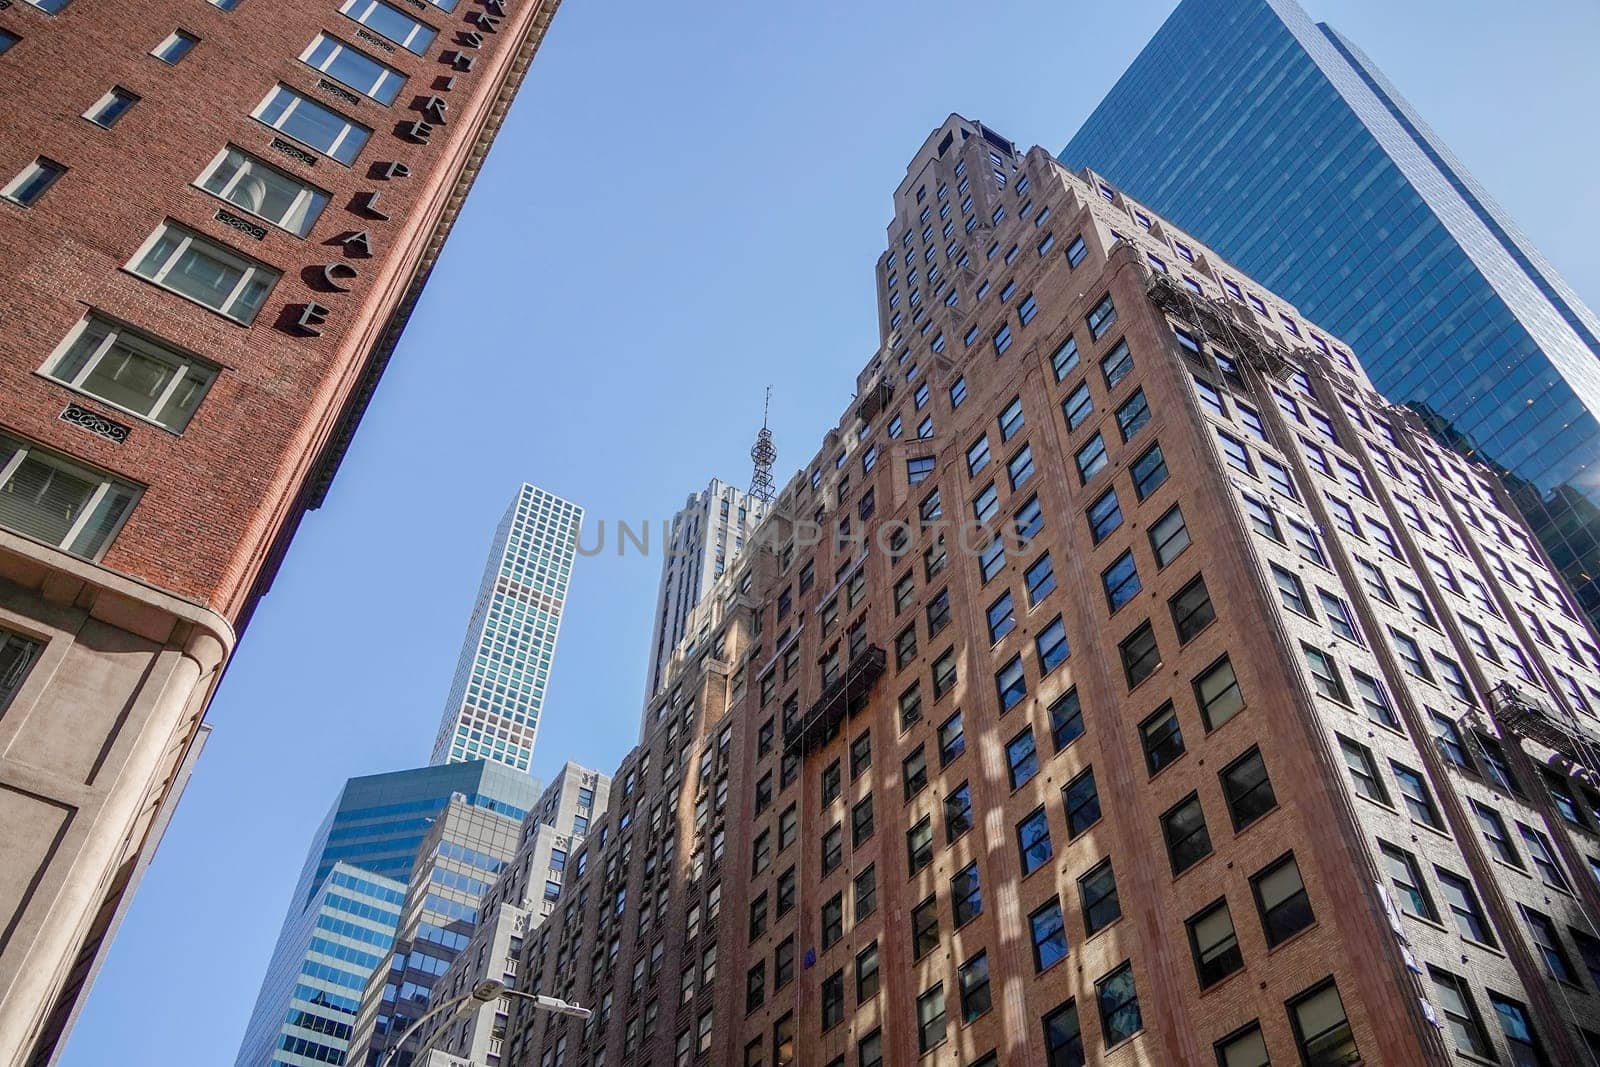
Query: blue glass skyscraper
[[1275, 140], [346, 905]]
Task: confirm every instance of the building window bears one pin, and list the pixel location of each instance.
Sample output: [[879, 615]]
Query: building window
[[1324, 674], [1051, 645], [175, 46], [7, 39], [1321, 1030], [1091, 458], [1526, 1051], [919, 844], [930, 1018], [109, 109], [1133, 415], [353, 68], [924, 928], [1247, 789], [867, 973], [1011, 419], [1462, 900], [17, 654], [1243, 1048], [918, 469], [952, 739], [130, 372], [1049, 935], [865, 887], [832, 848], [1169, 536], [957, 812], [860, 754], [1149, 472], [263, 191], [1161, 738], [1363, 772], [195, 267], [390, 22], [833, 1000], [1101, 317], [1184, 829], [310, 123], [1217, 693], [1494, 831], [1121, 581], [1065, 358], [914, 773], [1011, 685], [1406, 879], [861, 822], [1140, 654], [1033, 841], [966, 895], [1066, 719], [1116, 365], [1097, 893], [26, 188], [1191, 610], [944, 673], [1041, 579], [1077, 407], [1548, 942], [1418, 800], [1281, 900], [1214, 944], [52, 499], [1119, 1005], [1022, 758]]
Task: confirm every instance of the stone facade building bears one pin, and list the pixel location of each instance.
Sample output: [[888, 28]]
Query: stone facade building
[[1266, 734], [215, 219]]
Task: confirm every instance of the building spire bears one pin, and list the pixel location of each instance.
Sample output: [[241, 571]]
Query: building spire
[[763, 454]]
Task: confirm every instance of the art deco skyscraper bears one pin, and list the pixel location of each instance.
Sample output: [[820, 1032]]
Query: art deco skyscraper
[[1156, 693], [1277, 141], [498, 690], [705, 538], [190, 329]]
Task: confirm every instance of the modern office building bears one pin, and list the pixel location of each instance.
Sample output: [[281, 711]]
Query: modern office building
[[345, 908], [706, 536], [191, 328], [522, 898], [1159, 693], [1276, 140], [493, 864], [498, 690]]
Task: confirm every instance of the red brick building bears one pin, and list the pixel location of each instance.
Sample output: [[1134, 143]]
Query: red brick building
[[1266, 735], [215, 218]]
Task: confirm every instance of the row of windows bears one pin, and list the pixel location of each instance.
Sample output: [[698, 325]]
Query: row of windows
[[57, 501]]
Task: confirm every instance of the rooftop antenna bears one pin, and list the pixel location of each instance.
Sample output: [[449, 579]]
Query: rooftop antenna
[[763, 454]]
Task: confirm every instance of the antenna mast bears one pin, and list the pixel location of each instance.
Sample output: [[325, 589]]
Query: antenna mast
[[763, 454]]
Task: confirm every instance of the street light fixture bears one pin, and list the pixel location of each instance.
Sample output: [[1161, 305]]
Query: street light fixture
[[481, 994]]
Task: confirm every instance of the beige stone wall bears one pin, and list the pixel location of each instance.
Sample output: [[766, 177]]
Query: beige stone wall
[[90, 749]]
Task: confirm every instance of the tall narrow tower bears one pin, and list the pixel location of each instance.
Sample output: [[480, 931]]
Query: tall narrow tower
[[500, 680], [763, 454], [706, 538]]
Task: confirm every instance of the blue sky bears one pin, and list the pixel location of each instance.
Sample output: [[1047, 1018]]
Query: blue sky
[[684, 206]]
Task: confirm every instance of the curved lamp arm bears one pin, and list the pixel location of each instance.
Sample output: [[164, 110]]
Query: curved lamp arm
[[482, 993]]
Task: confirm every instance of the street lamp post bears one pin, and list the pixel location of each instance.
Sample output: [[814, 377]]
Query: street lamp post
[[482, 993]]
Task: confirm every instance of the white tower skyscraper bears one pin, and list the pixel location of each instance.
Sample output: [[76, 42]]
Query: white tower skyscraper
[[504, 669], [706, 537]]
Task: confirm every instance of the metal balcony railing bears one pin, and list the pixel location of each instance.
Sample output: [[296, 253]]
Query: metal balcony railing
[[837, 696]]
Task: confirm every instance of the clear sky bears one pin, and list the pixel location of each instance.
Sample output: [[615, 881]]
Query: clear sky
[[684, 206]]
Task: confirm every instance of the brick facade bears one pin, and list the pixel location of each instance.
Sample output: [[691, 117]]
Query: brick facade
[[756, 751], [219, 497]]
